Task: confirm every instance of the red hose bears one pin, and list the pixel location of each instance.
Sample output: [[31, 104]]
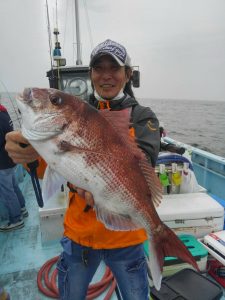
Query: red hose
[[46, 281], [49, 292]]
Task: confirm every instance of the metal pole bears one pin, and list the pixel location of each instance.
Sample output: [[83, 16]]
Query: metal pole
[[78, 61]]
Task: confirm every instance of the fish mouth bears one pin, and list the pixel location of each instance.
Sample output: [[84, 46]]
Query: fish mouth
[[26, 96], [24, 100]]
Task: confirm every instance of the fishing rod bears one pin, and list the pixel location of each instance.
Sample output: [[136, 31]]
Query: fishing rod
[[33, 165], [15, 108]]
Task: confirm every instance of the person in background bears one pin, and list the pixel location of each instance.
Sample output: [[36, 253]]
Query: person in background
[[86, 241], [11, 196]]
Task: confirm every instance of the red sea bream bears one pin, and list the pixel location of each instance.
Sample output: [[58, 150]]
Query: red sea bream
[[93, 150]]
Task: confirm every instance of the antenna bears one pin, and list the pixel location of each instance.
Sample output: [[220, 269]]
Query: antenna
[[57, 52], [78, 61], [49, 35]]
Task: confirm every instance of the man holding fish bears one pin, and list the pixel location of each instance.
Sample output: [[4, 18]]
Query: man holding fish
[[107, 151]]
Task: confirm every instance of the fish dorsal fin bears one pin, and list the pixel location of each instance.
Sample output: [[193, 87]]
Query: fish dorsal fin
[[115, 221], [152, 181], [120, 121]]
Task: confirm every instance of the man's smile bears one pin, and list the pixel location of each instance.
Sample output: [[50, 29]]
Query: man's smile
[[106, 85]]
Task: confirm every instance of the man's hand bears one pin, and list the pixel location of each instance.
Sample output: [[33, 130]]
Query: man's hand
[[17, 153]]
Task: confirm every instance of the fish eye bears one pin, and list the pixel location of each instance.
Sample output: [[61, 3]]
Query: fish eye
[[55, 100]]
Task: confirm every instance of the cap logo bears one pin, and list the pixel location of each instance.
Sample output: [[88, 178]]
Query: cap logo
[[111, 47]]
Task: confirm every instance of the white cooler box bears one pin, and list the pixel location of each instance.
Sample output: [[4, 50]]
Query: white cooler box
[[194, 213], [52, 216], [215, 244]]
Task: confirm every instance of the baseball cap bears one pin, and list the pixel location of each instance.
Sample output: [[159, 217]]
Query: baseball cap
[[114, 49]]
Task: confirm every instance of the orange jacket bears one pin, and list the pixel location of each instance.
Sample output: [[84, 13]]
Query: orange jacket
[[83, 228]]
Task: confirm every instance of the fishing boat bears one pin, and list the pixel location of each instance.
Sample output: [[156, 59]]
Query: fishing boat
[[28, 255]]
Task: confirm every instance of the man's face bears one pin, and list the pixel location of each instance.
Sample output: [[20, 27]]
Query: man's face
[[108, 77]]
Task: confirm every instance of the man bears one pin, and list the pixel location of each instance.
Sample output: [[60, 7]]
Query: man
[[86, 241], [10, 193]]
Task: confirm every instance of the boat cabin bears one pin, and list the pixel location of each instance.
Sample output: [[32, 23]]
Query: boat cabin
[[75, 80]]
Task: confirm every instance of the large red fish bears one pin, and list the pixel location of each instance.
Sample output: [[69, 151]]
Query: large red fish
[[93, 150]]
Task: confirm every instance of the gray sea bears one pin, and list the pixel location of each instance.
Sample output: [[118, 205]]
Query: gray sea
[[198, 123]]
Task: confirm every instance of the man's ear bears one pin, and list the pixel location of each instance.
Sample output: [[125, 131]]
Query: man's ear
[[128, 74]]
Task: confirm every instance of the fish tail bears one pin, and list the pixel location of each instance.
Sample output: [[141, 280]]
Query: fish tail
[[165, 243]]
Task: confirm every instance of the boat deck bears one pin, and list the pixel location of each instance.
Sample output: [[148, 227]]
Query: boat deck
[[22, 254]]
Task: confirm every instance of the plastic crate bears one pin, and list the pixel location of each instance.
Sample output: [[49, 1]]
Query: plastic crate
[[174, 264]]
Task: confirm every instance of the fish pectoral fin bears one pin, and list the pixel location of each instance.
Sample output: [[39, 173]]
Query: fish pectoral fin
[[51, 184], [114, 221]]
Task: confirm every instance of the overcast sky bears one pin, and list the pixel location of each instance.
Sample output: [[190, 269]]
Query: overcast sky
[[179, 45]]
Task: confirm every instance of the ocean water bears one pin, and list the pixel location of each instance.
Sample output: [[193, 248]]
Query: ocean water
[[198, 123]]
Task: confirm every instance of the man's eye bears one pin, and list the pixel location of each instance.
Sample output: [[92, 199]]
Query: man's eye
[[97, 68], [115, 68]]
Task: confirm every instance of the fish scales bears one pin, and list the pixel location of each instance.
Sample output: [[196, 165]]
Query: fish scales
[[92, 150]]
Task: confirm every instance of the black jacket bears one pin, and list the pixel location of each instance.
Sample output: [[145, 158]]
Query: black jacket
[[6, 126], [145, 123]]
